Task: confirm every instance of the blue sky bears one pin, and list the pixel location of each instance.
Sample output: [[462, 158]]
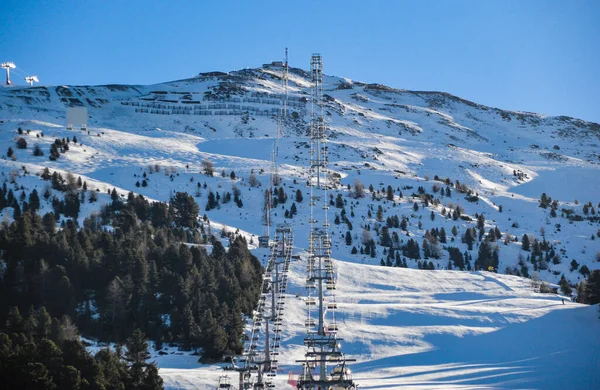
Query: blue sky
[[528, 55]]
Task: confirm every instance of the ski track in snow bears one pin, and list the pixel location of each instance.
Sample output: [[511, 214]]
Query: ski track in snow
[[440, 330]]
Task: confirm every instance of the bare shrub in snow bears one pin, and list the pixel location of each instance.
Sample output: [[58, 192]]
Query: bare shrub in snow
[[359, 189], [208, 168], [366, 237], [253, 181]]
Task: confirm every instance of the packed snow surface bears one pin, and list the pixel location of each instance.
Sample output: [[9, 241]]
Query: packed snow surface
[[415, 329]]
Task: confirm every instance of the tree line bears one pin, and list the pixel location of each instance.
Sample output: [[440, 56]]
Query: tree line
[[41, 352], [131, 267]]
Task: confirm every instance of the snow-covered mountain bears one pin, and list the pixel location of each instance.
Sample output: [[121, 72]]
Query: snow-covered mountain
[[439, 151]]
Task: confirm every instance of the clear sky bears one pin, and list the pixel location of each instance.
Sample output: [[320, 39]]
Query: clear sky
[[527, 55]]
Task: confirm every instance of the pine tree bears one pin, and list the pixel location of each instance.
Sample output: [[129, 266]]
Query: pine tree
[[379, 214], [152, 380], [525, 243], [404, 223], [93, 197], [281, 195], [14, 321], [584, 270], [592, 288], [72, 205], [16, 209], [54, 152], [339, 201], [456, 257], [136, 355], [49, 223], [390, 193], [137, 348], [21, 143], [426, 250], [184, 209], [469, 237], [484, 256], [565, 287], [34, 200], [37, 151], [442, 235], [480, 221], [44, 323], [385, 238], [411, 250]]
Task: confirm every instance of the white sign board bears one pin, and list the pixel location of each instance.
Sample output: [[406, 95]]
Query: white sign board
[[77, 116]]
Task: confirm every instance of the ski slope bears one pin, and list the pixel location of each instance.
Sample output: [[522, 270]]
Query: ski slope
[[440, 330]]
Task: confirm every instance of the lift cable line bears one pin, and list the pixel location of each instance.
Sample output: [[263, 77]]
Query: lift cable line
[[258, 364], [10, 66], [324, 365]]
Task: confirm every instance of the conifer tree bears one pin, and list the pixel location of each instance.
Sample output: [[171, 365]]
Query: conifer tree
[[34, 200], [592, 288], [184, 209], [390, 193], [565, 287], [525, 243]]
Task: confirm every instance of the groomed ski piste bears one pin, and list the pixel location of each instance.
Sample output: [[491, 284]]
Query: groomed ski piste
[[406, 328], [412, 329]]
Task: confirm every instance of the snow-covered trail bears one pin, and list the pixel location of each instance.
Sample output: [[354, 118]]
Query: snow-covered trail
[[441, 330]]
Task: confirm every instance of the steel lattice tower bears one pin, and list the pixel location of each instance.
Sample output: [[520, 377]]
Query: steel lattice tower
[[323, 348], [284, 81], [258, 364]]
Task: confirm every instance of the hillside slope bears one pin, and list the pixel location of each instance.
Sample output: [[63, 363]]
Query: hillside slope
[[430, 163], [378, 135]]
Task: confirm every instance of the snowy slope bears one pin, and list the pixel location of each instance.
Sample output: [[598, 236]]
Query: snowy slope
[[379, 136], [441, 330]]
